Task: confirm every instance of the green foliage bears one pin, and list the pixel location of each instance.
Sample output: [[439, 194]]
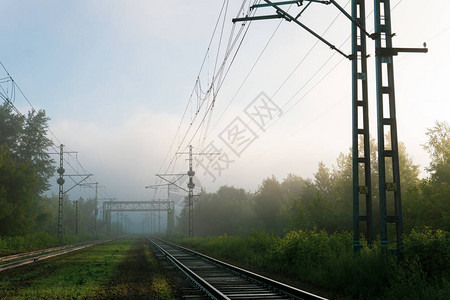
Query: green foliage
[[431, 248], [428, 202], [268, 202], [10, 128], [26, 139], [226, 211], [79, 275], [438, 146], [25, 169], [34, 145], [326, 202], [328, 262], [18, 183]]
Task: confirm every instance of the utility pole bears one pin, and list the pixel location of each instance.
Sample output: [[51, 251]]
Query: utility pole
[[60, 182], [191, 186], [384, 53], [360, 116], [387, 123], [76, 217], [96, 210]]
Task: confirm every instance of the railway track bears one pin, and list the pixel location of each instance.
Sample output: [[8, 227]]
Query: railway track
[[219, 280], [22, 259]]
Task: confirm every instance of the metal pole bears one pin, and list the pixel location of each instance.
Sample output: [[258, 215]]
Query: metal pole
[[76, 217], [96, 210], [191, 186], [360, 116], [60, 182], [387, 150]]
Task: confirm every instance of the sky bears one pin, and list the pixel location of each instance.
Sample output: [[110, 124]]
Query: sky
[[116, 77]]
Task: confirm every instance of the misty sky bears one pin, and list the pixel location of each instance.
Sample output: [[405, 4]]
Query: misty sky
[[115, 78]]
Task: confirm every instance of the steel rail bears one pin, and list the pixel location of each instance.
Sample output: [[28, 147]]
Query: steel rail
[[34, 258], [284, 289], [36, 252], [200, 282]]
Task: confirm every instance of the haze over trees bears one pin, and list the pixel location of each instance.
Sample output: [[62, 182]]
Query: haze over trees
[[325, 201], [277, 206]]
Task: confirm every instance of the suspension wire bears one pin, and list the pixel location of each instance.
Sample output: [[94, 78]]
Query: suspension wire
[[220, 84], [52, 145], [260, 55], [322, 78], [247, 76], [197, 80], [214, 72], [217, 78]]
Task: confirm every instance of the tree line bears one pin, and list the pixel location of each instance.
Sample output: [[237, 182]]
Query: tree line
[[277, 206], [325, 201], [25, 171]]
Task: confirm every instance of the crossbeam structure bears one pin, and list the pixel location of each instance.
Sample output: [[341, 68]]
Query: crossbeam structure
[[137, 206]]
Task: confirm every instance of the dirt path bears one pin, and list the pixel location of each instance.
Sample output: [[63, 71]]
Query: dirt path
[[138, 276]]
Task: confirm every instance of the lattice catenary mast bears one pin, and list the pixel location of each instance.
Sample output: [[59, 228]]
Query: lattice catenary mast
[[387, 150]]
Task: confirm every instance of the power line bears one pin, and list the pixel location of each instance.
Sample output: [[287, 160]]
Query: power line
[[10, 102], [218, 79], [197, 83]]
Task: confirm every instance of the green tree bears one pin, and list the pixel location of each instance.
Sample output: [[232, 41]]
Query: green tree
[[428, 204], [268, 202], [26, 138], [323, 179], [10, 128], [294, 188], [33, 147], [18, 183], [226, 211], [342, 192], [46, 209], [26, 169], [438, 146]]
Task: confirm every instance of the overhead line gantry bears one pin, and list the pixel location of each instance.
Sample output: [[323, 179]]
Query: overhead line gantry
[[385, 95]]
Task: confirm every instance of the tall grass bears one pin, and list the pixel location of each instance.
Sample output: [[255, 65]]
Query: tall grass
[[327, 261]]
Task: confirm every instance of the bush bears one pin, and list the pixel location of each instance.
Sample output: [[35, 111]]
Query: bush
[[431, 248], [327, 260]]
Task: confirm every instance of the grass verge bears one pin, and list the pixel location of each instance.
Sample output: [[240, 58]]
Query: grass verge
[[37, 241], [326, 263], [95, 273]]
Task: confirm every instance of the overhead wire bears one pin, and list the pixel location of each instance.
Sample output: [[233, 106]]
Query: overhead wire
[[205, 125], [320, 80], [248, 74], [217, 78], [221, 82], [263, 51], [215, 92], [10, 102], [292, 72], [193, 90]]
